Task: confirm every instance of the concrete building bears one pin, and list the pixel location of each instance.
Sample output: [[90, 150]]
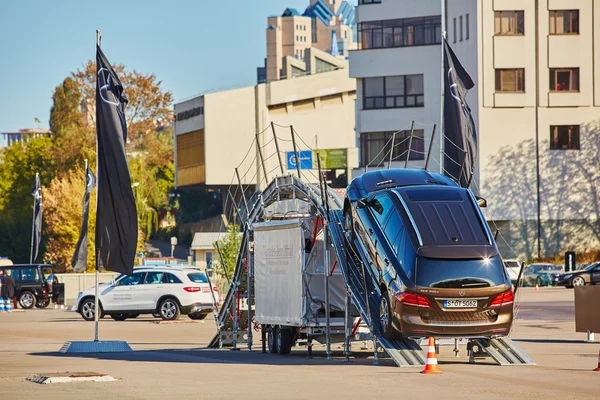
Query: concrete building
[[536, 66], [214, 132], [326, 25], [8, 138]]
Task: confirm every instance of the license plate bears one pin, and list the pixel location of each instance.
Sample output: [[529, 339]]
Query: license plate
[[460, 303]]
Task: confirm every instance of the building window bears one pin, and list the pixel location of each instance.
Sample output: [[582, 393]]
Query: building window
[[564, 79], [375, 147], [393, 92], [509, 22], [454, 30], [461, 28], [467, 27], [400, 32], [510, 80], [563, 22], [564, 137]]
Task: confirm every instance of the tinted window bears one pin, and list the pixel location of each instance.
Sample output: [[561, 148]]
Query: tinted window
[[446, 217], [134, 279], [29, 274], [198, 278], [459, 273], [170, 278], [381, 206], [153, 278], [393, 230]]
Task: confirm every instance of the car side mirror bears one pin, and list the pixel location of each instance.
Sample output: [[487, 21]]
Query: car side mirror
[[362, 203], [481, 201]]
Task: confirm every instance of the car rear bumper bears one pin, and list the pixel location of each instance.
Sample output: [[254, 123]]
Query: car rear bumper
[[424, 322], [198, 308]]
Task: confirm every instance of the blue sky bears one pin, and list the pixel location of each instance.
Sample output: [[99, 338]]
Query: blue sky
[[191, 45]]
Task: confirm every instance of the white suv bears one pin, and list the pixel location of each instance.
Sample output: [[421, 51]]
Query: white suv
[[161, 291]]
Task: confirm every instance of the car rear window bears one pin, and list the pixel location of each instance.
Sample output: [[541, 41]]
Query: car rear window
[[198, 277], [460, 274], [445, 217], [30, 274], [170, 278]]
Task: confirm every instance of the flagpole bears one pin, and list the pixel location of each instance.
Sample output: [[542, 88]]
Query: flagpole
[[33, 224], [442, 89], [97, 291]]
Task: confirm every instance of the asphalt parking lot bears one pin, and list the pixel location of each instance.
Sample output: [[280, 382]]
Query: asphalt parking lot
[[171, 361]]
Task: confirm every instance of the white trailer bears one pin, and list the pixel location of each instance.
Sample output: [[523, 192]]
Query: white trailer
[[291, 277]]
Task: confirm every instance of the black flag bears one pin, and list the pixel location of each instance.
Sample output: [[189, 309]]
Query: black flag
[[116, 215], [36, 230], [460, 142], [79, 261]]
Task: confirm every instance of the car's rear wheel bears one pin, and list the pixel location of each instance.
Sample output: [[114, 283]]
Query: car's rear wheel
[[272, 332], [88, 308], [27, 300], [197, 316], [169, 309], [578, 281], [385, 316], [119, 317]]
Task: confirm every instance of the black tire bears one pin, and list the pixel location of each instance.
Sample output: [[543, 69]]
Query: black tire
[[284, 341], [27, 300], [86, 309], [385, 316], [43, 304], [119, 317], [169, 309], [272, 332], [197, 316]]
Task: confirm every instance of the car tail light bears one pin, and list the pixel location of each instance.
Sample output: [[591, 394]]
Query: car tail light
[[503, 299], [411, 299], [192, 289]]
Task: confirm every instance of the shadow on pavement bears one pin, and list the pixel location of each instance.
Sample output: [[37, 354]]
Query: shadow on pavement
[[215, 356]]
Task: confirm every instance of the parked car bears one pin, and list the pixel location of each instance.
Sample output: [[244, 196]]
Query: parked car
[[425, 244], [513, 267], [539, 274], [35, 284], [589, 275], [162, 291]]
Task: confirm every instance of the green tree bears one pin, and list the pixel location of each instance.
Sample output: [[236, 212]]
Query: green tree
[[230, 247]]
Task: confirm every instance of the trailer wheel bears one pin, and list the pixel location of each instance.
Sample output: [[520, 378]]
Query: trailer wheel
[[272, 338], [284, 341]]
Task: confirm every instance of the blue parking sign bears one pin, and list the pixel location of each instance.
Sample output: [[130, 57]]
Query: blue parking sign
[[305, 159]]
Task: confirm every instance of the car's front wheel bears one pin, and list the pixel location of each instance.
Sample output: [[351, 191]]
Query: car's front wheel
[[578, 281], [119, 317], [27, 300], [169, 310]]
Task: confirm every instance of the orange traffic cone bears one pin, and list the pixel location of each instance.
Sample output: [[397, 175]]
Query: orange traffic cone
[[537, 287], [431, 367], [598, 368]]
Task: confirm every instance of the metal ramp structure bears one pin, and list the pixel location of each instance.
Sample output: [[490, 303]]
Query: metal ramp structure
[[232, 329], [502, 349]]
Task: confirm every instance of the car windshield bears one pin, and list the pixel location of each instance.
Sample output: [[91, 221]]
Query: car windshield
[[198, 277], [591, 266], [459, 273], [445, 217]]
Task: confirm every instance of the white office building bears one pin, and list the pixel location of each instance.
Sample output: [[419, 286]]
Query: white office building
[[536, 67]]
